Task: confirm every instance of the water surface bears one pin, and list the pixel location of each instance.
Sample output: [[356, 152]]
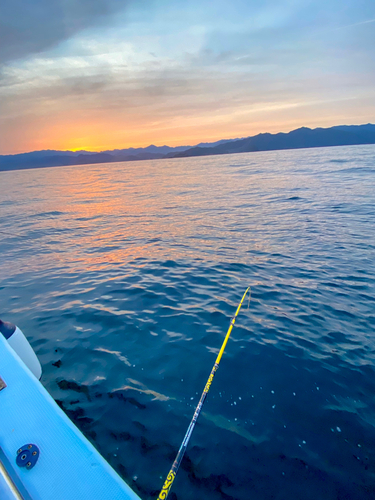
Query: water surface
[[125, 277]]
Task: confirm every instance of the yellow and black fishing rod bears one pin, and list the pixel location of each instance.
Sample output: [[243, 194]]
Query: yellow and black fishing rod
[[176, 464]]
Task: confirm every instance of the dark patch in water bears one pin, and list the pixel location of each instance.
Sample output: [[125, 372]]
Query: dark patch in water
[[122, 436], [67, 385], [132, 401]]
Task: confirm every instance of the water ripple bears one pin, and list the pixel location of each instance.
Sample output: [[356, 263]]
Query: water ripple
[[126, 280]]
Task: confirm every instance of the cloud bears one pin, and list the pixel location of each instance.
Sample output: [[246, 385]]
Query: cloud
[[159, 66], [29, 27], [167, 89]]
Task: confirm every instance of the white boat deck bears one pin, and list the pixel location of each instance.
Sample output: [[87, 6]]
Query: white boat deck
[[68, 467]]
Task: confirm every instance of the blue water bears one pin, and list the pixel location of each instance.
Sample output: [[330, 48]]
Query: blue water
[[125, 277]]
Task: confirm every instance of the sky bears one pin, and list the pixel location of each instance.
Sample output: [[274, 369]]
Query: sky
[[109, 74]]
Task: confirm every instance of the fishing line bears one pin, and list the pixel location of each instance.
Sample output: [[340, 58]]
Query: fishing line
[[176, 464]]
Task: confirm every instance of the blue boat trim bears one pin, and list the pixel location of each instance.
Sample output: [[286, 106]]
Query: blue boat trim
[[7, 329]]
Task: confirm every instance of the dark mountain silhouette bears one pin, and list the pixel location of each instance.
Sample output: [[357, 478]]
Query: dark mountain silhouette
[[51, 158], [150, 149], [342, 135]]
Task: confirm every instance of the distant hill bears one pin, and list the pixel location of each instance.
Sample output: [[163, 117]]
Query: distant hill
[[51, 158], [343, 135]]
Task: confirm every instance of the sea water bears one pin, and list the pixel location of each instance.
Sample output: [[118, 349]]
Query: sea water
[[125, 276]]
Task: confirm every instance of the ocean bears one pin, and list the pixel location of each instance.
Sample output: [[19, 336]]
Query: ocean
[[125, 276]]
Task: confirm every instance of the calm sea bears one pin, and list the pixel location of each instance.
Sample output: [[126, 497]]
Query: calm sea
[[125, 277]]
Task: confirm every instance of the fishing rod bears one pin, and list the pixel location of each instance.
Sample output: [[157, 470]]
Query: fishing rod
[[176, 464]]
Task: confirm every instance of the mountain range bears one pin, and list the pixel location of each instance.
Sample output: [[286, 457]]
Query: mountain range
[[343, 135]]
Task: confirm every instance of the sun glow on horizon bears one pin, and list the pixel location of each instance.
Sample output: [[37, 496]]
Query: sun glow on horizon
[[182, 73]]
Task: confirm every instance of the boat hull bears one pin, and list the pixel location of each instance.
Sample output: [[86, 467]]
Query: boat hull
[[68, 466]]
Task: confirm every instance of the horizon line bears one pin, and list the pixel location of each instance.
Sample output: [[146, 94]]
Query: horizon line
[[173, 147]]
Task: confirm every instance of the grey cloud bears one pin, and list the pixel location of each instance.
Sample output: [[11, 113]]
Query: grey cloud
[[28, 27], [161, 93]]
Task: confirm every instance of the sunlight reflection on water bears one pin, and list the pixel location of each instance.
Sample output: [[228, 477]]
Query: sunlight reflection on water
[[129, 273]]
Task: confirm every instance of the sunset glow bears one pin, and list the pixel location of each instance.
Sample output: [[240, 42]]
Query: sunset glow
[[172, 73]]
